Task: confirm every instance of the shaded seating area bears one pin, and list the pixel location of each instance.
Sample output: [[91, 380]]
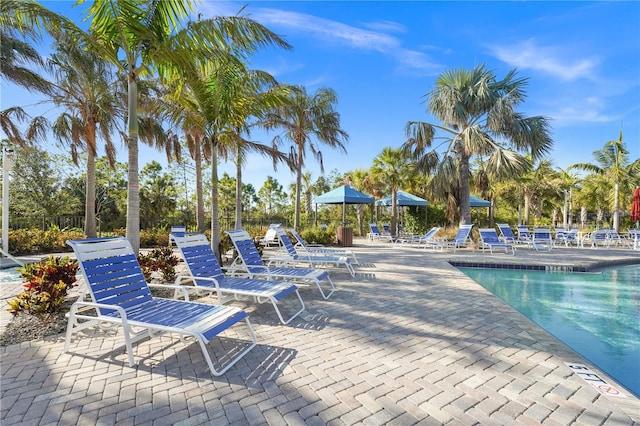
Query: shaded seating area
[[294, 257], [321, 249], [121, 296], [249, 262], [205, 273], [489, 240]]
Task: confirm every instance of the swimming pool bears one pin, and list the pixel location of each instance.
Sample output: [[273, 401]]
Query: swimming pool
[[10, 275], [596, 314]]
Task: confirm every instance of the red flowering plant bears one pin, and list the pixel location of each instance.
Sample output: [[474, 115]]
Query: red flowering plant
[[46, 285]]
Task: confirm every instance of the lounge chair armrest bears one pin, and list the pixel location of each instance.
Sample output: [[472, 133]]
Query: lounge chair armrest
[[80, 304], [181, 288]]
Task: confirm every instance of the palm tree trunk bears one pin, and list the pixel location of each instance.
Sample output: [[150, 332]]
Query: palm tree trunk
[[527, 207], [90, 196], [133, 185], [296, 223], [199, 193], [616, 206], [465, 206], [215, 221], [238, 190]]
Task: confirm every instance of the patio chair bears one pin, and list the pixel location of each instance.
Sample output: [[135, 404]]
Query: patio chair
[[489, 240], [506, 233], [597, 238], [270, 238], [294, 257], [176, 229], [566, 237], [376, 234], [205, 273], [121, 296], [424, 239], [321, 249], [615, 239], [524, 236], [542, 239], [250, 263], [461, 239]]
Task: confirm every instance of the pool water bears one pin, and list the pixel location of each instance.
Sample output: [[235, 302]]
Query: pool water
[[597, 314], [9, 275]]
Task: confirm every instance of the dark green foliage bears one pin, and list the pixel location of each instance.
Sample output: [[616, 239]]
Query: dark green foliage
[[28, 241], [318, 236]]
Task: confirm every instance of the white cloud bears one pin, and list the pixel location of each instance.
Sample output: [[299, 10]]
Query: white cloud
[[334, 32], [550, 60], [386, 26]]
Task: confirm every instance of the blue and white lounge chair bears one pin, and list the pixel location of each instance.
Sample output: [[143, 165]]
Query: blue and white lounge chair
[[506, 233], [524, 235], [121, 296], [599, 237], [542, 239], [176, 230], [424, 239], [294, 257], [489, 240], [249, 262], [376, 234], [321, 249], [461, 239], [205, 273]]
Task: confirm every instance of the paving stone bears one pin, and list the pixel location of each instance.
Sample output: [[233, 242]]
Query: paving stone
[[449, 353]]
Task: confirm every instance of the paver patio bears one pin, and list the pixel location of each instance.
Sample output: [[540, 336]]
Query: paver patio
[[410, 340]]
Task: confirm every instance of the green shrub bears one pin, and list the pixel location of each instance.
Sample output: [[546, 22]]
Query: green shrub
[[318, 236], [46, 285]]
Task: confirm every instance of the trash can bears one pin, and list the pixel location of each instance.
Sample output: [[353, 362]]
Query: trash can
[[345, 236]]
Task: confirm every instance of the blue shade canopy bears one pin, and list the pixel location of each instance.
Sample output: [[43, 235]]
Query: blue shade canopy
[[403, 199], [343, 195], [478, 202]]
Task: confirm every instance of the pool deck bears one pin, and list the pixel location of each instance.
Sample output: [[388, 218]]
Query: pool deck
[[409, 340]]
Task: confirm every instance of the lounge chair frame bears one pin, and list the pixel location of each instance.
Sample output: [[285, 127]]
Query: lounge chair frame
[[205, 273], [489, 240], [295, 257], [321, 249], [249, 262], [121, 296]]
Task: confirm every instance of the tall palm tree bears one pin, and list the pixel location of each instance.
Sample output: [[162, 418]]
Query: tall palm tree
[[614, 165], [392, 170], [137, 35], [83, 86], [479, 117], [215, 92], [305, 118]]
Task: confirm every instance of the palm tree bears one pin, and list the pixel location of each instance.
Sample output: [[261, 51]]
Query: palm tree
[[305, 118], [614, 166], [20, 22], [83, 87], [139, 34], [478, 117], [392, 171], [213, 86]]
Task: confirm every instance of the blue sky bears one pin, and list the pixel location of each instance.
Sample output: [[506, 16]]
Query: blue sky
[[582, 60]]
